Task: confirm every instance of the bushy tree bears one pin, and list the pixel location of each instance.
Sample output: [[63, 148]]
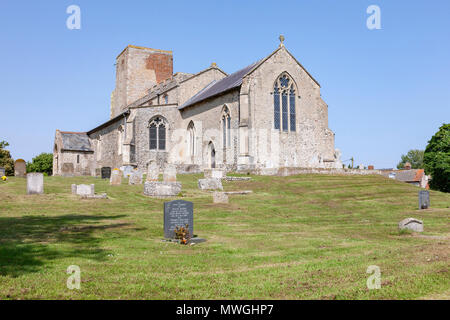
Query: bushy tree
[[5, 159], [415, 157], [437, 159], [41, 163]]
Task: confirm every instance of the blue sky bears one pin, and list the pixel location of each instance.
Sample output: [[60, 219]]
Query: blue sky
[[388, 90]]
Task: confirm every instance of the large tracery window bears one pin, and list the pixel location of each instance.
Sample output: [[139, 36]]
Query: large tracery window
[[285, 118], [157, 129]]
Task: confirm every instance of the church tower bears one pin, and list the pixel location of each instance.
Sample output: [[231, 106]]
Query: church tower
[[137, 70]]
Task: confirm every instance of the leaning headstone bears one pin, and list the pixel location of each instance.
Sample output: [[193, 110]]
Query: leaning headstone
[[116, 178], [127, 170], [424, 199], [152, 171], [106, 172], [85, 190], [170, 173], [178, 213], [35, 183], [2, 172], [220, 197], [135, 177], [411, 224], [20, 168], [210, 184]]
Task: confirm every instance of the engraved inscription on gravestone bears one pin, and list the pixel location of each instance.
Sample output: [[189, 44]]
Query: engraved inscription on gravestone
[[178, 213], [106, 172], [424, 199]]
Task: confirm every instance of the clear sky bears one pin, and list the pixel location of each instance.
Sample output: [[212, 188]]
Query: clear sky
[[388, 90]]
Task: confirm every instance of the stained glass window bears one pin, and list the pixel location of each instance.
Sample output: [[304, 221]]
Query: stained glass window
[[292, 108], [157, 130], [229, 130], [284, 108], [285, 118], [224, 128], [276, 108], [153, 137]]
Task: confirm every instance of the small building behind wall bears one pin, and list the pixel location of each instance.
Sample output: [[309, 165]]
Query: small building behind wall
[[73, 154]]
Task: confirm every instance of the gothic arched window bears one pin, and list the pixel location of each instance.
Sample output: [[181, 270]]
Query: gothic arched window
[[284, 119], [226, 127], [120, 139], [191, 137], [157, 130]]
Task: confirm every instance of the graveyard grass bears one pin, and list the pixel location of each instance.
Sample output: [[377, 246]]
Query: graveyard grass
[[298, 237]]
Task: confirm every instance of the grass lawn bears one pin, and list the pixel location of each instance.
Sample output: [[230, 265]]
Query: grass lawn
[[298, 237]]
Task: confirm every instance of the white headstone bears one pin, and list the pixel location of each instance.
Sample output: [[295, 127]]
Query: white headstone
[[116, 178], [170, 173], [152, 171], [85, 190], [35, 183]]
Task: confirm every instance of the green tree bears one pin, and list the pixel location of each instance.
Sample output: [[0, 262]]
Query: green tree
[[415, 157], [5, 159], [41, 163], [437, 159]]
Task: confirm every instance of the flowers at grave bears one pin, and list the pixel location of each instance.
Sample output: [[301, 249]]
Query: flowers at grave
[[4, 178], [182, 234]]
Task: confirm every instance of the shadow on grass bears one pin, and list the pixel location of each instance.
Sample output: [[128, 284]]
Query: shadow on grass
[[27, 243]]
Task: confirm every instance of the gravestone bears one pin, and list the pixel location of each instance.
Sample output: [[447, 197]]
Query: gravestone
[[85, 189], [424, 199], [152, 171], [20, 168], [210, 184], [135, 177], [106, 173], [170, 173], [220, 197], [411, 224], [127, 170], [178, 213], [214, 173], [35, 183], [2, 172], [116, 178], [67, 169], [161, 189]]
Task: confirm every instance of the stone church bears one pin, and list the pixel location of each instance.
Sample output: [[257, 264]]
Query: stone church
[[262, 118]]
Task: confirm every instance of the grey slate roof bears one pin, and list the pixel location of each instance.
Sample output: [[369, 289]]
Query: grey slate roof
[[76, 141], [215, 88]]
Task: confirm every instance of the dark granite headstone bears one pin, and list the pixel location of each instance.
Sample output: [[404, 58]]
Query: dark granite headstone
[[106, 172], [178, 213], [424, 199]]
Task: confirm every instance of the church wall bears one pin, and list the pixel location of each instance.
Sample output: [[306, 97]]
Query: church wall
[[69, 165], [193, 85], [106, 147], [208, 114], [312, 139], [143, 154]]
